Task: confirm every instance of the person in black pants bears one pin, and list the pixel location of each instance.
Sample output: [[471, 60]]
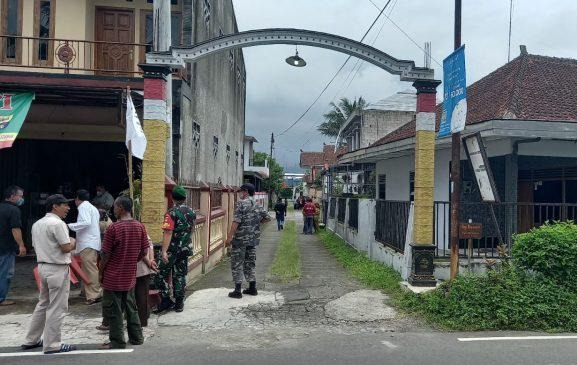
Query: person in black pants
[[280, 210]]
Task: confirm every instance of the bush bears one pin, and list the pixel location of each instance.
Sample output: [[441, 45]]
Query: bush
[[550, 250], [509, 299]]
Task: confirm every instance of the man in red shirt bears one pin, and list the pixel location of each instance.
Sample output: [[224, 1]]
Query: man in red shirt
[[308, 213], [125, 243]]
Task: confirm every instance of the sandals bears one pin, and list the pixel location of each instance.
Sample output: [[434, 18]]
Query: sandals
[[63, 348], [92, 301], [103, 328], [33, 346], [6, 302]]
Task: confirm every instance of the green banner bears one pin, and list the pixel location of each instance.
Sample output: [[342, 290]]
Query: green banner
[[13, 110]]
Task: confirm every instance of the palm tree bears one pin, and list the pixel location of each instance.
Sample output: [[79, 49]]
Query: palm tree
[[339, 114]]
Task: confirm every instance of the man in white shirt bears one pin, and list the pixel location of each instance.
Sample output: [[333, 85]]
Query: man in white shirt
[[88, 244], [52, 246]]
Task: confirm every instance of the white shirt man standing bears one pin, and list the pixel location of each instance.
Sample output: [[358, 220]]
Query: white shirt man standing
[[52, 245], [88, 243]]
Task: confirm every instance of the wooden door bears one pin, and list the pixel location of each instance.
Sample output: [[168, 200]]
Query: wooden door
[[525, 212], [115, 26]]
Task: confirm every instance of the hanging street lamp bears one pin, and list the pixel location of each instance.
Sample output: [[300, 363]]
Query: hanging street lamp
[[296, 61]]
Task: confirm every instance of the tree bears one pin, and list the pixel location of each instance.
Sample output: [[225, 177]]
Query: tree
[[339, 114], [273, 183]]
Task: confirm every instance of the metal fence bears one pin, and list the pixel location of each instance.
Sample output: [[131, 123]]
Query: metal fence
[[392, 218], [325, 211], [511, 218], [342, 210], [332, 207], [111, 58], [353, 190], [354, 213]]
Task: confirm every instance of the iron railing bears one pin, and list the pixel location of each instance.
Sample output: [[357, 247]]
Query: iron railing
[[341, 210], [354, 213], [511, 218], [325, 211], [71, 56], [333, 207], [392, 218], [353, 190]]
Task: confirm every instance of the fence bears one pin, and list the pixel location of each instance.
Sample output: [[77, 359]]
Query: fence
[[192, 197], [79, 56], [392, 219], [353, 190], [332, 208], [354, 213], [511, 218], [342, 210], [215, 198]]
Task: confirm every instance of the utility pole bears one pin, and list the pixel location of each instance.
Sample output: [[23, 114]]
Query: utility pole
[[455, 169], [161, 41], [271, 144]]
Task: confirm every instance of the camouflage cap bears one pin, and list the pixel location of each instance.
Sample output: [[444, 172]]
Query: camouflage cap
[[178, 192]]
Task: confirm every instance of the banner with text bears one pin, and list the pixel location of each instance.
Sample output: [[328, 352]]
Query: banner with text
[[13, 110], [455, 94]]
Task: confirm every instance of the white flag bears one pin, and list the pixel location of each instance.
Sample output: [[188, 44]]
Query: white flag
[[134, 133]]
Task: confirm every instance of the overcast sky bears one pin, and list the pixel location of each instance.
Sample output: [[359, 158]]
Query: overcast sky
[[277, 94]]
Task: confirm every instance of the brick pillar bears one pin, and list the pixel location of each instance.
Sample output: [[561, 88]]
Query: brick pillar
[[153, 165], [423, 250]]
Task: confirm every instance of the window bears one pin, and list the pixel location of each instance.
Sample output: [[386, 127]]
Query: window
[[206, 7], [236, 158], [227, 153], [146, 32], [11, 24], [214, 146], [382, 181], [196, 135], [238, 75], [412, 186], [220, 32], [44, 28]]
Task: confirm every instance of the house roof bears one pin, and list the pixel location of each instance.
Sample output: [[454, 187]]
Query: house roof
[[405, 101], [530, 87], [250, 139], [327, 156]]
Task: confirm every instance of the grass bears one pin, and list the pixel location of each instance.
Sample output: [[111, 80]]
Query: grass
[[287, 261]]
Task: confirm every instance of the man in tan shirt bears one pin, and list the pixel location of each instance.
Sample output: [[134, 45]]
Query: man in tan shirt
[[52, 245]]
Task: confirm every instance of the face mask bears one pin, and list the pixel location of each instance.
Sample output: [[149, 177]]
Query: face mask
[[20, 202]]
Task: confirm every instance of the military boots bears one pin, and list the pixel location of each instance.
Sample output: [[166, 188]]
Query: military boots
[[251, 289], [179, 304], [164, 305], [236, 293]]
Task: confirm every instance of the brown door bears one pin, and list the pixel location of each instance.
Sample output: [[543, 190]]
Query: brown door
[[114, 26], [525, 212]]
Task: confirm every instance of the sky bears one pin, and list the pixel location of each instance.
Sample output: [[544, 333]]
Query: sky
[[277, 94]]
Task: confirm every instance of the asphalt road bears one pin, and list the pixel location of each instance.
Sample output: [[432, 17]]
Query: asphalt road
[[179, 346]]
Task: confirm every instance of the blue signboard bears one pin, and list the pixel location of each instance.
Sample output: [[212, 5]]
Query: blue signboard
[[455, 94]]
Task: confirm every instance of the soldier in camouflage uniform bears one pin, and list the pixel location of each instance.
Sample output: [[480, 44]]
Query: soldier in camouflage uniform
[[244, 235], [176, 249]]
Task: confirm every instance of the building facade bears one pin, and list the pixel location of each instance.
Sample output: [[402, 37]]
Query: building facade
[[79, 57]]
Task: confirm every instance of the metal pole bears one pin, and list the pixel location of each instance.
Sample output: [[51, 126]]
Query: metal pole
[[455, 169]]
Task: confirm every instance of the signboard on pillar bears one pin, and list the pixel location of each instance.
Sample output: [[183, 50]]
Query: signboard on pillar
[[481, 167], [13, 110], [455, 94]]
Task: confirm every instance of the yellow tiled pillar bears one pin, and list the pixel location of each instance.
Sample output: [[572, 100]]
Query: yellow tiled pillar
[[153, 165], [422, 247]]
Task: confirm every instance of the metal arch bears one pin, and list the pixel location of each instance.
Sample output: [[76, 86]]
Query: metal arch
[[177, 56]]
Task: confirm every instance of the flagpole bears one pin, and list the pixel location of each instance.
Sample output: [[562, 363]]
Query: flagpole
[[130, 174]]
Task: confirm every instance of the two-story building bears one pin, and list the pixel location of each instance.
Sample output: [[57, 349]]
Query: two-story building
[[253, 173], [79, 57]]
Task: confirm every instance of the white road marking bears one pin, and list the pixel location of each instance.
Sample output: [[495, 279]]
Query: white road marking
[[389, 345], [79, 352], [519, 338]]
